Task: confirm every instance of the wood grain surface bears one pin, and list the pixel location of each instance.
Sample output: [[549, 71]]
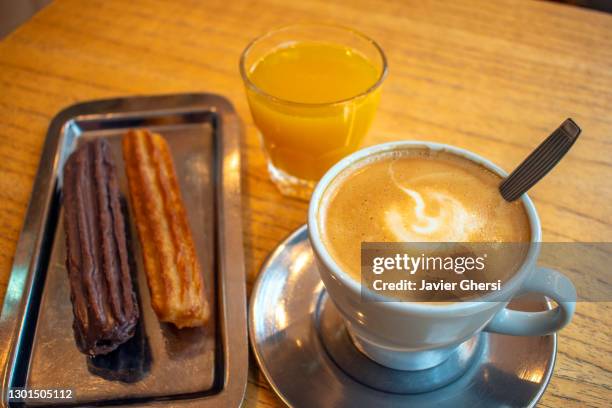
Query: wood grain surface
[[492, 77]]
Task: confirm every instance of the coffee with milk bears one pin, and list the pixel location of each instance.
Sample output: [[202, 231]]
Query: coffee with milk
[[416, 195]]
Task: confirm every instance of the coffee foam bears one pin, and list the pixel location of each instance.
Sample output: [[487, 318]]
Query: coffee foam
[[452, 222], [416, 195]]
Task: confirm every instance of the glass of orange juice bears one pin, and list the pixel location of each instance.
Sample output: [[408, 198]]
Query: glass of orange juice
[[313, 90]]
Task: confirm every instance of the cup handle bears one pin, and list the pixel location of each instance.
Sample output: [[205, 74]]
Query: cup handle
[[547, 282]]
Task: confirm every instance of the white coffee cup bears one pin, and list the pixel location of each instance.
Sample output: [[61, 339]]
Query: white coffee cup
[[413, 335]]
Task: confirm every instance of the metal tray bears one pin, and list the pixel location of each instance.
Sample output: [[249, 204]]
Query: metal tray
[[160, 366]]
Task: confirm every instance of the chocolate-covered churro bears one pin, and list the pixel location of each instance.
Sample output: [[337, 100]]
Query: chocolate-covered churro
[[103, 299]]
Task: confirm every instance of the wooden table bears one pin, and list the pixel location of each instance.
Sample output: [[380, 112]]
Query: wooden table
[[492, 77]]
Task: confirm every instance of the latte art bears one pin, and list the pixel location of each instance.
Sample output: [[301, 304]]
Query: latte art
[[452, 220], [416, 196]]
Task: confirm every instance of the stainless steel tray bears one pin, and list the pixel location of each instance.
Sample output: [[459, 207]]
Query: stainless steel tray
[[160, 366]]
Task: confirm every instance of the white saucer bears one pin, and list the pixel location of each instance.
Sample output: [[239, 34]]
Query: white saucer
[[297, 338]]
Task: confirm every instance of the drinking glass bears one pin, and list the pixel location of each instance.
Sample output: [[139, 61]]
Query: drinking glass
[[302, 139]]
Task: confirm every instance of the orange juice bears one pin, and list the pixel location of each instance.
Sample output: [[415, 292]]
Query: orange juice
[[314, 106]]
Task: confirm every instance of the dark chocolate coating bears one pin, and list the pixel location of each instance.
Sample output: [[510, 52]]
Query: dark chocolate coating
[[103, 299]]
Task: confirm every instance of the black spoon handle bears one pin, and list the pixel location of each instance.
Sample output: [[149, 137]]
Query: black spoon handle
[[540, 161]]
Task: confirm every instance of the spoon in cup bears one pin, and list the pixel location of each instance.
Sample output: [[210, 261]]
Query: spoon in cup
[[540, 161]]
